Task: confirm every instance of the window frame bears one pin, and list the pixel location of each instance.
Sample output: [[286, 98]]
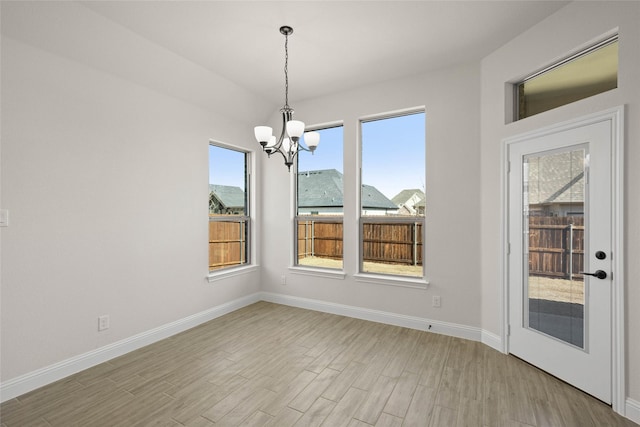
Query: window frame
[[580, 53], [295, 265], [419, 282], [248, 219]]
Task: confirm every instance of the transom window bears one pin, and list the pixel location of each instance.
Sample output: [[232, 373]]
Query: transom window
[[590, 72]]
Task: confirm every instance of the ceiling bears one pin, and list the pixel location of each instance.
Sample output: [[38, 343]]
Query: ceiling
[[336, 45], [228, 56]]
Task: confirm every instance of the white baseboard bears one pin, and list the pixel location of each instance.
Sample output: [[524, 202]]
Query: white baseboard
[[632, 410], [47, 375], [420, 323], [492, 340]]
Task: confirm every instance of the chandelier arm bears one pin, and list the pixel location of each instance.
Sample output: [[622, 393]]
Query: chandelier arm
[[284, 156], [287, 115], [292, 159], [289, 158]]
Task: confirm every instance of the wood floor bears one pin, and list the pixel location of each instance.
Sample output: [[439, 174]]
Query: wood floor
[[272, 365]]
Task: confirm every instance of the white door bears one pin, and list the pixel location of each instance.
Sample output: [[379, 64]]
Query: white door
[[559, 229]]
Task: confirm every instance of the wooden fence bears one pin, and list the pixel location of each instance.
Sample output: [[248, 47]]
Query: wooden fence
[[320, 239], [390, 243], [227, 243], [556, 246]]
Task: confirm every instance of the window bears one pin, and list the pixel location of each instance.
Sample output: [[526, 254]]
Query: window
[[588, 73], [229, 220], [392, 200], [320, 203]]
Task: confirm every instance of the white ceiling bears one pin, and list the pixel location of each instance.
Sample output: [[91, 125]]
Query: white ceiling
[[336, 44]]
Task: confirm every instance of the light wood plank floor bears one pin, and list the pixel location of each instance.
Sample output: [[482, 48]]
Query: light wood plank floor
[[272, 365]]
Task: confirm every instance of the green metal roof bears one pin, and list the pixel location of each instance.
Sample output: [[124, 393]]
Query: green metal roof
[[229, 196], [324, 188]]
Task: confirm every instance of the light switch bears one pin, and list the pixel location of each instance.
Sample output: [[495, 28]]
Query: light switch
[[4, 217]]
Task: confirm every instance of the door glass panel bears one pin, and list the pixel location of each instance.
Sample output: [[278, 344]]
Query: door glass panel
[[554, 210]]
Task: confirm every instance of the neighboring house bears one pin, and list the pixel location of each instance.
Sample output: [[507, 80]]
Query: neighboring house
[[225, 199], [556, 184], [321, 192], [410, 202]]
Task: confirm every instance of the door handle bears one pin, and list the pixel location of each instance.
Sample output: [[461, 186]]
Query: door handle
[[599, 274]]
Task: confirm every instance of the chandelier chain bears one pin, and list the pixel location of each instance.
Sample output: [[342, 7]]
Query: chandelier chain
[[286, 71]]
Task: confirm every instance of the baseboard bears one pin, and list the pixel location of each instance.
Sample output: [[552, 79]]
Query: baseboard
[[47, 375], [632, 410], [420, 323], [492, 340]]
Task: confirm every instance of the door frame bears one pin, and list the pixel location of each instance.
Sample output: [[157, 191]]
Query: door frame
[[616, 116]]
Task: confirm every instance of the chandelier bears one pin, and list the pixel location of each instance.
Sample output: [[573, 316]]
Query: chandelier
[[288, 144]]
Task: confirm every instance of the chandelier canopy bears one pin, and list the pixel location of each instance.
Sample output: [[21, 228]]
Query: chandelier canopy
[[288, 144]]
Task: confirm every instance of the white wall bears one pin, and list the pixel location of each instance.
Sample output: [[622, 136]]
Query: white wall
[[451, 98], [571, 27], [106, 182]]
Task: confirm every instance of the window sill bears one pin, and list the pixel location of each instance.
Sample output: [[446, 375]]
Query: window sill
[[378, 279], [318, 272], [231, 272]]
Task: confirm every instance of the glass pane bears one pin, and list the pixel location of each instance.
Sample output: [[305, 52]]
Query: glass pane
[[587, 75], [393, 200], [554, 190], [228, 208], [392, 248], [227, 181], [227, 243], [320, 243], [320, 202]]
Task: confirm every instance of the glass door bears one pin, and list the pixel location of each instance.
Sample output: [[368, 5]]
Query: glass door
[[559, 265]]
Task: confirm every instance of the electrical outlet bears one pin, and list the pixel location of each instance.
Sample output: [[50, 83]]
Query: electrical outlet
[[436, 301], [103, 322], [283, 280]]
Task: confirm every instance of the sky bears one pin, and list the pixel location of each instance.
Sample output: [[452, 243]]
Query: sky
[[393, 155], [329, 157], [226, 166]]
